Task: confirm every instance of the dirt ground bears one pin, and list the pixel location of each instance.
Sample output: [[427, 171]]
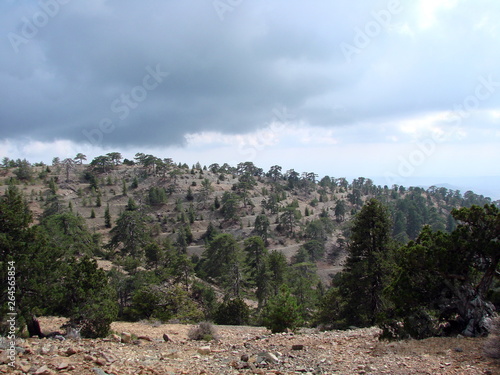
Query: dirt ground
[[245, 350]]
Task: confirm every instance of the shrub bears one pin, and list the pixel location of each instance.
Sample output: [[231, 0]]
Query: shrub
[[165, 302], [232, 312], [203, 331], [90, 302], [282, 312]]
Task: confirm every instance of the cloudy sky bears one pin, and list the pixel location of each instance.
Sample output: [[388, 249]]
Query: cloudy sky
[[392, 90]]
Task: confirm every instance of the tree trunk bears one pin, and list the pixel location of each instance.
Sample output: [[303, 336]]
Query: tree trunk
[[474, 310]]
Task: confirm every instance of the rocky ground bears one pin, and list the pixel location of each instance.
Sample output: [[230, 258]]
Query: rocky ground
[[245, 350]]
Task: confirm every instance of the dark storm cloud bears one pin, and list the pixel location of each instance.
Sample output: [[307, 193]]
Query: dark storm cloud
[[84, 75]]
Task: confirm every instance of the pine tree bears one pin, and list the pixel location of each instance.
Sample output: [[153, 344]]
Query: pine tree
[[365, 273], [282, 312], [223, 262], [107, 217]]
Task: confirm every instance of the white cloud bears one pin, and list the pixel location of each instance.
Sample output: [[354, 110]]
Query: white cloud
[[429, 11]]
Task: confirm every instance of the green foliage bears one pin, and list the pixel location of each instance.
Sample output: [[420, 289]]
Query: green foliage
[[444, 279], [315, 249], [210, 233], [257, 263], [340, 211], [154, 255], [157, 196], [222, 261], [49, 278], [107, 217], [204, 295], [290, 217], [135, 183], [130, 233], [302, 279], [71, 233], [282, 312], [329, 310], [229, 208], [131, 205], [232, 312], [262, 227], [278, 269], [365, 273], [165, 302], [24, 172], [216, 203], [89, 299], [189, 195]]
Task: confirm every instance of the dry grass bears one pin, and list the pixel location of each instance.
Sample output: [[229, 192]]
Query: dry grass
[[203, 331]]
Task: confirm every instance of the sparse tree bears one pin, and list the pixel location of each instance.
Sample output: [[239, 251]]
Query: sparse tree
[[80, 158], [68, 164], [115, 157]]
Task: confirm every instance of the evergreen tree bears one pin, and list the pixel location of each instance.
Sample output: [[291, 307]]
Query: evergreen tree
[[70, 232], [131, 205], [340, 210], [222, 262], [130, 233], [258, 268], [107, 217], [445, 277], [278, 270], [135, 183], [364, 276], [232, 312], [282, 312], [262, 227], [289, 218], [229, 207], [48, 277], [24, 171]]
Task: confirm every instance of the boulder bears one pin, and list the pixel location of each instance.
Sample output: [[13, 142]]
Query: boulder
[[268, 357], [44, 370], [126, 337], [204, 350]]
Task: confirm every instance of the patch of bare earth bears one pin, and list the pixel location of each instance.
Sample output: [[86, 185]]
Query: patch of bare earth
[[246, 350]]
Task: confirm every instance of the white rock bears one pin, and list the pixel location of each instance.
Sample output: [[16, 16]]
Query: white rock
[[204, 350], [126, 337]]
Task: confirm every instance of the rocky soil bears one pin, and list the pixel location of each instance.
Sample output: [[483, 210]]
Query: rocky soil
[[140, 348]]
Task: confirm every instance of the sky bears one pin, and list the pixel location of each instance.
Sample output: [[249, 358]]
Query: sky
[[400, 91]]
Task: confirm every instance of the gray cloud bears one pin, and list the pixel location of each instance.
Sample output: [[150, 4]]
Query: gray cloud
[[228, 75]]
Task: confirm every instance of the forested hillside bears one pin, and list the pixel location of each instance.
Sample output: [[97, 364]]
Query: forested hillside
[[151, 238]]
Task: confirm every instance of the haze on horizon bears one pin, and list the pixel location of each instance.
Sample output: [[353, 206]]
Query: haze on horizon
[[399, 91]]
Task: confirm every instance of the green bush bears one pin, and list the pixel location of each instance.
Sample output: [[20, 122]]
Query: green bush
[[90, 300], [164, 302], [232, 312], [282, 312]]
